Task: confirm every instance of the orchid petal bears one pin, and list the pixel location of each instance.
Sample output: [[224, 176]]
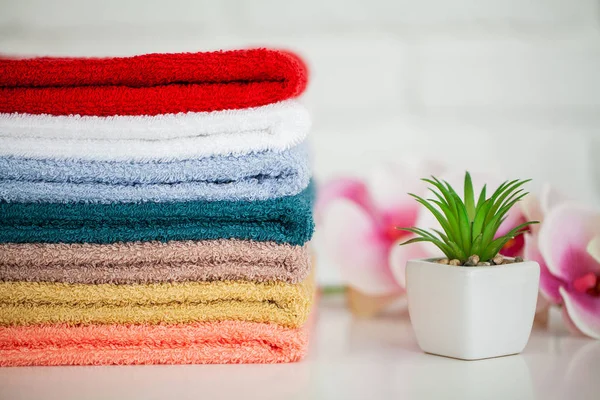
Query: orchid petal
[[389, 186], [532, 211], [348, 188], [563, 237], [400, 255], [549, 284], [352, 241], [584, 311], [550, 198], [404, 217], [593, 248], [514, 218], [514, 247], [570, 325]]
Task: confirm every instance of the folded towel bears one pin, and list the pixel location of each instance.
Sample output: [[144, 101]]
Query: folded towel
[[223, 342], [180, 136], [282, 220], [252, 177], [150, 262], [150, 84], [30, 303]]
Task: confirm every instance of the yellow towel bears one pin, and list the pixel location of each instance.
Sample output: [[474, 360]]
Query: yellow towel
[[28, 303]]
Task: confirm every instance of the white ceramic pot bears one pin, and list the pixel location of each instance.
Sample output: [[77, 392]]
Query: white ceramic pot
[[472, 312]]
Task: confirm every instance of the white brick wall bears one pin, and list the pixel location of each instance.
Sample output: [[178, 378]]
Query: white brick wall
[[36, 14], [423, 14], [511, 85], [300, 16], [511, 72]]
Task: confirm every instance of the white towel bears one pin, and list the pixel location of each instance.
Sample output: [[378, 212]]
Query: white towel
[[275, 127]]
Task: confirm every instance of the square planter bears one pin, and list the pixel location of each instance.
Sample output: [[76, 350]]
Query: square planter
[[472, 313]]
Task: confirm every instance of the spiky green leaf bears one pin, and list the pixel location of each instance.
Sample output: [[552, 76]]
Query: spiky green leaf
[[469, 197], [468, 227], [481, 199]]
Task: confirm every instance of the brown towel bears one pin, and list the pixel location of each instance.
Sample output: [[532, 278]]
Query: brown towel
[[150, 262]]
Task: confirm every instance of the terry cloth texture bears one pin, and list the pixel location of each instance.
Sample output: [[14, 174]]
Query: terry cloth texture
[[252, 177], [150, 84], [151, 262], [182, 136], [222, 342], [31, 303], [282, 220]]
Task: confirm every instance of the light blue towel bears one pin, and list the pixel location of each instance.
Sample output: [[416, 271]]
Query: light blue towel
[[258, 176]]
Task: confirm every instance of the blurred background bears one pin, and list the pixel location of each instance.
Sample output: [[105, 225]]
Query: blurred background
[[506, 86]]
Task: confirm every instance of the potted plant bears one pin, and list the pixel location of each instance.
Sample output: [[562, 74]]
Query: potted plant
[[474, 303]]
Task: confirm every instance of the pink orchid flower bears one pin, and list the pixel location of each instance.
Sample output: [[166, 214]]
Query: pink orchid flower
[[535, 208], [357, 220], [567, 247]]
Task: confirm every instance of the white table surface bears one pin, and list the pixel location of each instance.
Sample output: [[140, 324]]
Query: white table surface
[[349, 359]]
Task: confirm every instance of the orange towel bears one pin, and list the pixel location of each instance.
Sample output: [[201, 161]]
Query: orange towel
[[224, 342]]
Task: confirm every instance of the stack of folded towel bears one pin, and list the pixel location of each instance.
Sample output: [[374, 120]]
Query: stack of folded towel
[[154, 209]]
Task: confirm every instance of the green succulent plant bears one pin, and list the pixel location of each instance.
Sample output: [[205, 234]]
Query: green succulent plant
[[469, 227]]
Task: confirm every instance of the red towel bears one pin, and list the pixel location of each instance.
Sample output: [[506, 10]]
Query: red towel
[[150, 84]]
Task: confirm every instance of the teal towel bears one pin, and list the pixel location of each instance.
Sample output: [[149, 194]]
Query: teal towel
[[283, 220]]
